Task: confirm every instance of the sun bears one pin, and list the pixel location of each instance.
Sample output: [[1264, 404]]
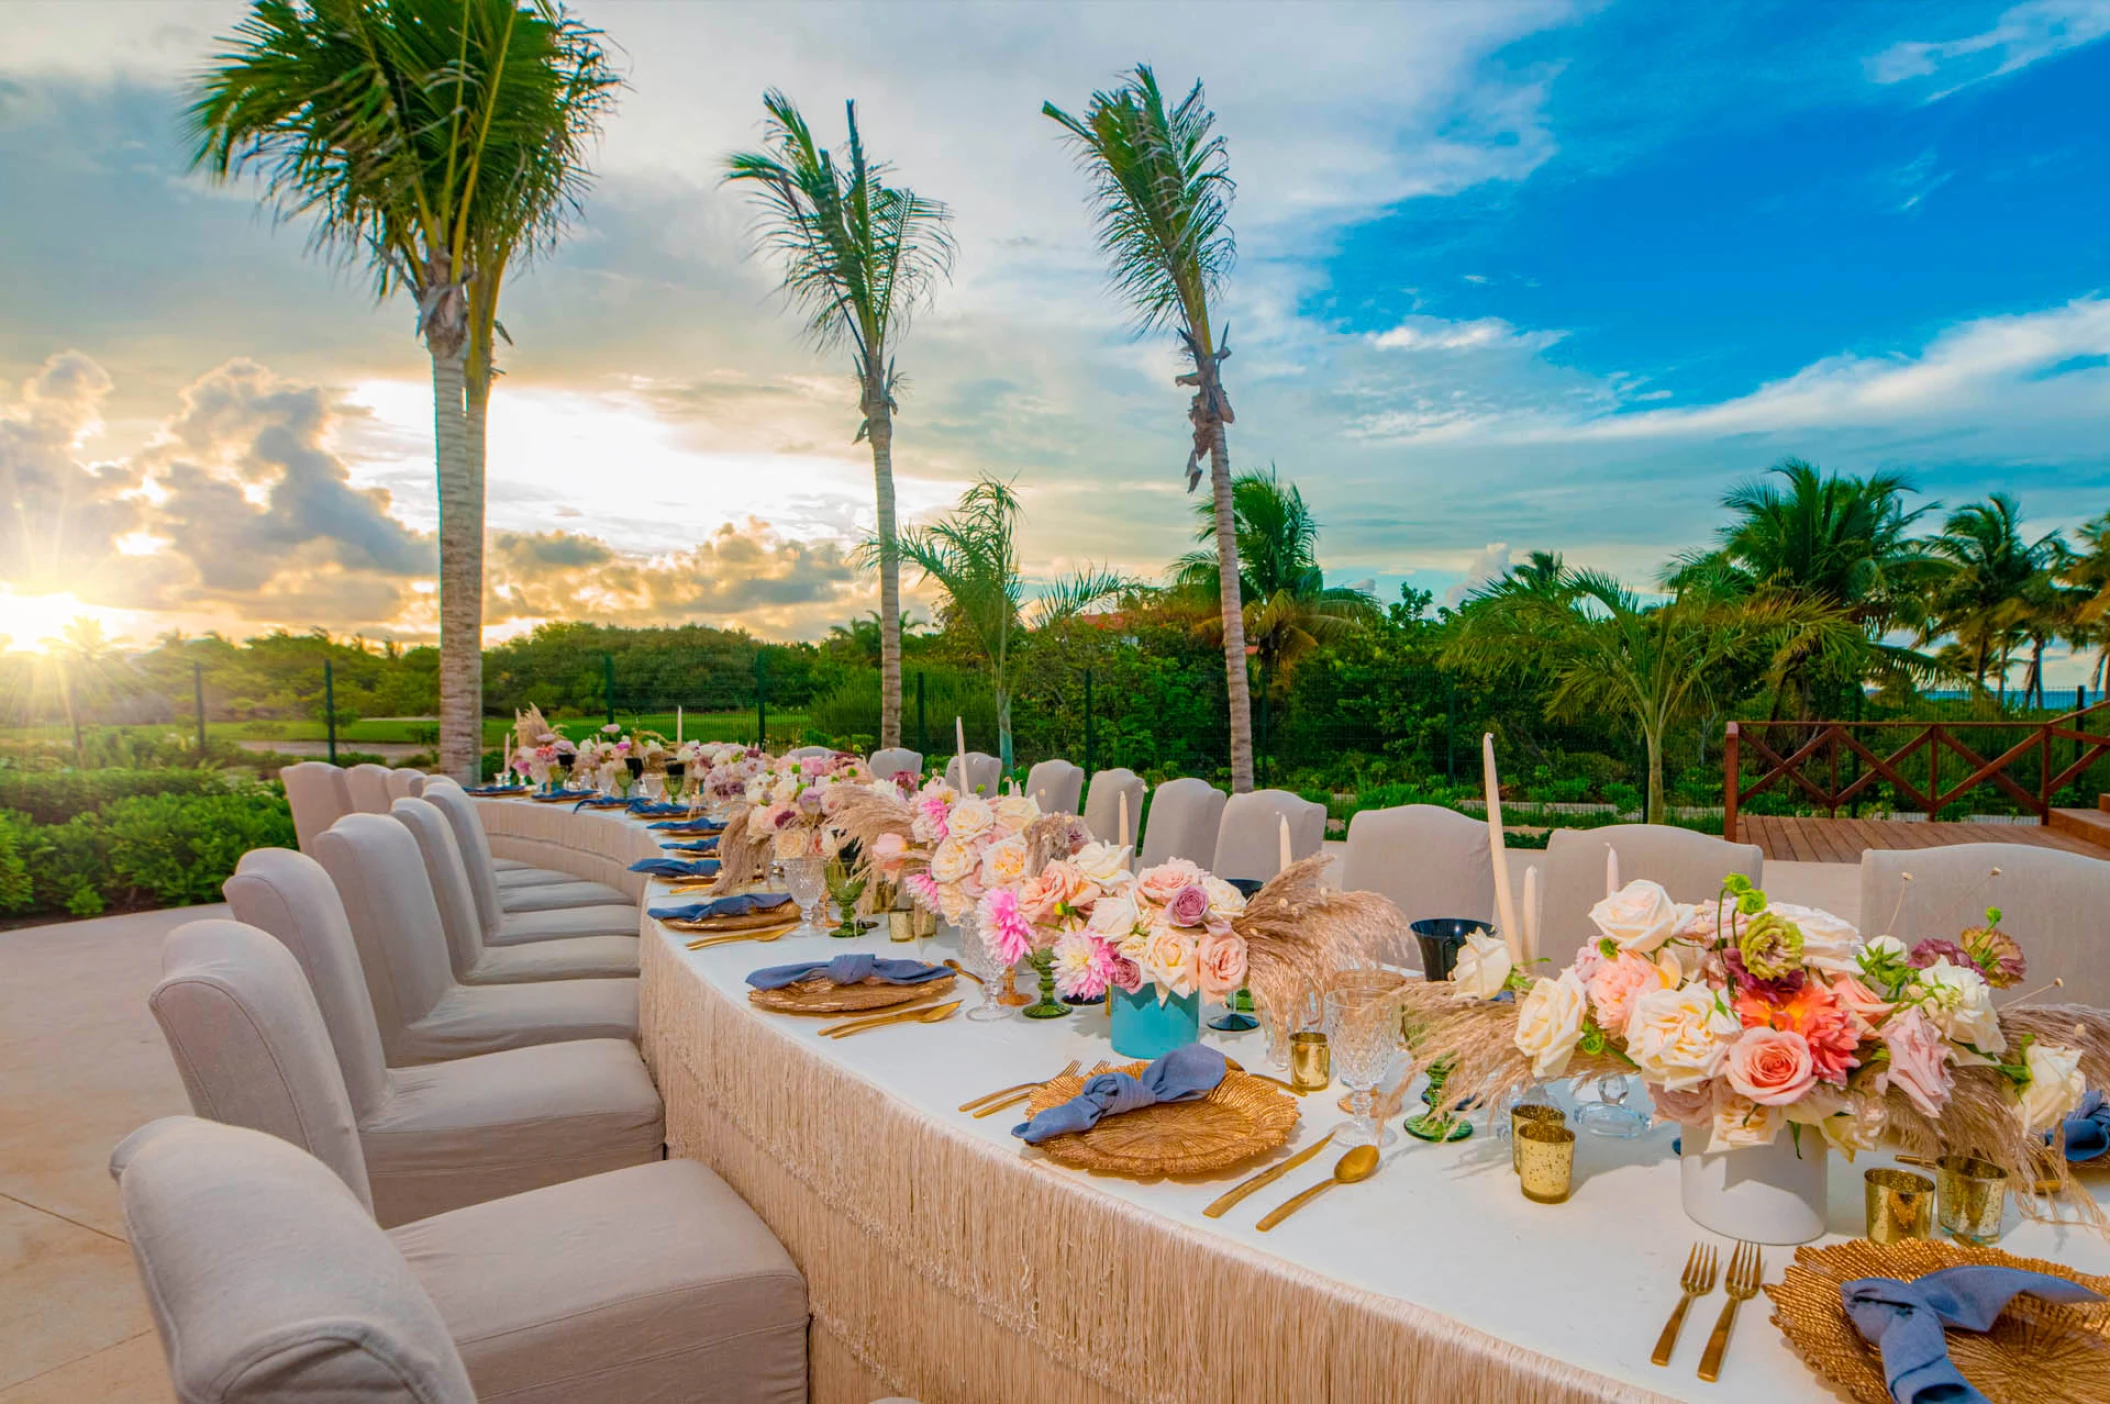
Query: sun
[[28, 622]]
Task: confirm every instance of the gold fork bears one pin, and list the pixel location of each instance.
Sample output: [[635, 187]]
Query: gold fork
[[1698, 1281], [1016, 1097], [762, 936], [971, 1103], [1747, 1268]]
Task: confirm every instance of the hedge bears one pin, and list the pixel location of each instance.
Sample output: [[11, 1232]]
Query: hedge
[[164, 850], [55, 796]]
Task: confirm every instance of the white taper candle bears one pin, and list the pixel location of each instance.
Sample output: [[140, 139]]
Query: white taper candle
[[1124, 818], [1505, 898], [1611, 870], [1531, 912], [677, 725], [1286, 859]]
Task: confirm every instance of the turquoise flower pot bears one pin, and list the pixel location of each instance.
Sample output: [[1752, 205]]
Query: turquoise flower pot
[[1145, 1029]]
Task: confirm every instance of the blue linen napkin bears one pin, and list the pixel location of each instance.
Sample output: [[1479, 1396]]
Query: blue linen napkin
[[598, 802], [1904, 1321], [702, 845], [697, 823], [497, 790], [853, 969], [1183, 1075], [2088, 1129], [676, 867], [641, 805], [745, 904]]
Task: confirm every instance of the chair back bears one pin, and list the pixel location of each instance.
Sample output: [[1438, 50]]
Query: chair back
[[1431, 861], [368, 784], [808, 752], [1249, 835], [290, 896], [894, 760], [1690, 866], [250, 1043], [395, 919], [404, 782], [1184, 816], [1102, 805], [984, 773], [450, 883], [269, 1281], [472, 845], [2051, 902], [318, 795], [1057, 786]]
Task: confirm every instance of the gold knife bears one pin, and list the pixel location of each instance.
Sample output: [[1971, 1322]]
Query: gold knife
[[1265, 1178], [915, 1006], [921, 1014]]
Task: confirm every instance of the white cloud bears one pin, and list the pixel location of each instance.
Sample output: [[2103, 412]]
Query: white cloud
[[2020, 37], [1490, 562], [1417, 333]]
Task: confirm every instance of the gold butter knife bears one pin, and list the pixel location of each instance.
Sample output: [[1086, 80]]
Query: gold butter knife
[[1264, 1178], [892, 1011]]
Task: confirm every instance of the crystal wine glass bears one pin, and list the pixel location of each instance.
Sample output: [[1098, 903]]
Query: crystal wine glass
[[806, 880], [1365, 1041], [993, 974]]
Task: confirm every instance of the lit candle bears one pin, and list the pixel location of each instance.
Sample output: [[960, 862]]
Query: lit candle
[[1611, 870], [1286, 859], [1505, 899], [1531, 912], [1124, 818]]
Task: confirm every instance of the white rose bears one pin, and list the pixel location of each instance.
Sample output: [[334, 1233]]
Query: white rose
[[1856, 1127], [1549, 1021], [1740, 1123], [1679, 1037], [952, 860], [1961, 1004], [1103, 863], [1829, 943], [971, 817], [1114, 916], [1224, 899], [1015, 812], [1482, 967], [2055, 1087], [1639, 917]]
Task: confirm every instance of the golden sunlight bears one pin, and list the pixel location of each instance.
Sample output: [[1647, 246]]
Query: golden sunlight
[[32, 622]]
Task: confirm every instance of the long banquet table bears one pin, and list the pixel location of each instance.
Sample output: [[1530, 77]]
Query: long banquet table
[[947, 1262]]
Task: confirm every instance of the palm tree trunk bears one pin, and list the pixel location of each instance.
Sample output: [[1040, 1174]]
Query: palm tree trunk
[[461, 490], [1654, 742], [1241, 703], [880, 424], [1003, 729]]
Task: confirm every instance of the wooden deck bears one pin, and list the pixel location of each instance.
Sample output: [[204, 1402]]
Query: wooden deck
[[1810, 840]]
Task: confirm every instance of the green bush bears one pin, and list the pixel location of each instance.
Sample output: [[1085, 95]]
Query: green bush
[[178, 849], [55, 796], [16, 891]]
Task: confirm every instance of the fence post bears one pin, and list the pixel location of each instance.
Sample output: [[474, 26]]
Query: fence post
[[922, 726], [762, 698], [329, 706], [1450, 731], [1087, 724], [197, 682], [1731, 783], [608, 682]]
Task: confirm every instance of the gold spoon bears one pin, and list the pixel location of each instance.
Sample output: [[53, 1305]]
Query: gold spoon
[[760, 938], [1235, 1066], [953, 965], [1358, 1165], [937, 1013]]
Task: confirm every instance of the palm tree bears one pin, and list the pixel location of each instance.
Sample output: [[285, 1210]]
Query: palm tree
[[437, 141], [972, 556], [1610, 653], [1161, 192], [1988, 579], [858, 255], [2089, 572], [85, 669]]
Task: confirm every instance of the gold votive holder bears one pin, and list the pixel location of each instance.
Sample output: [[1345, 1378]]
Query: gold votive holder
[[1310, 1061], [1545, 1159], [926, 923], [1529, 1112], [1900, 1205], [901, 926], [1973, 1196]]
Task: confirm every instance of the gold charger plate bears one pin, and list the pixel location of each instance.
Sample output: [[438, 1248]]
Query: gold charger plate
[[1242, 1117], [2038, 1352], [823, 996], [747, 921]]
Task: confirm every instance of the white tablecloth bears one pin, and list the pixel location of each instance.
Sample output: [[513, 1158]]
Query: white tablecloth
[[1435, 1280]]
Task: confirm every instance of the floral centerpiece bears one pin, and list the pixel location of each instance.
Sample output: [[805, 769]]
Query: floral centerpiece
[[784, 812], [540, 755], [1752, 1020]]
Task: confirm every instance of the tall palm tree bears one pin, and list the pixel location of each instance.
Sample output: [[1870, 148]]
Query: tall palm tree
[[1610, 653], [2089, 572], [1161, 194], [85, 670], [972, 556], [437, 141], [858, 255], [1989, 578]]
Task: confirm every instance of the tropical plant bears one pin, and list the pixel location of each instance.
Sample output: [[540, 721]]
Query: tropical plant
[[83, 668], [858, 255], [437, 141], [2089, 572], [1990, 584], [1608, 652], [971, 555], [1161, 193]]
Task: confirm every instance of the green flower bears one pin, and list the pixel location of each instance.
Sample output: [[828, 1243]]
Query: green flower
[[1771, 946]]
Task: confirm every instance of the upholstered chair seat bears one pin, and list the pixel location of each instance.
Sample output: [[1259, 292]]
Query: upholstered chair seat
[[513, 911]]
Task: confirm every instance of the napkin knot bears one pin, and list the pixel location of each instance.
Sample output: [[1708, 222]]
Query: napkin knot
[[1904, 1321], [1183, 1075], [852, 969]]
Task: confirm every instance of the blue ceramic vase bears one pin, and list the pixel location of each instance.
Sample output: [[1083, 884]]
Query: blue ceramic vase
[[1143, 1028]]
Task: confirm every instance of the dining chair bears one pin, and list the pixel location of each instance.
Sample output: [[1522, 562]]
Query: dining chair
[[1057, 786], [1184, 817], [527, 907], [1689, 865], [2051, 902], [1249, 833], [1102, 805], [318, 794], [1431, 861]]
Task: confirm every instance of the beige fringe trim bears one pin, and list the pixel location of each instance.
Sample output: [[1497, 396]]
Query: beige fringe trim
[[947, 1269]]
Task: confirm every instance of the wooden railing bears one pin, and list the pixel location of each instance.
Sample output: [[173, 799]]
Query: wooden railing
[[1847, 768]]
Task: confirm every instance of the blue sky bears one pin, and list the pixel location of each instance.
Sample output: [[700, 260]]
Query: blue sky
[[1532, 275]]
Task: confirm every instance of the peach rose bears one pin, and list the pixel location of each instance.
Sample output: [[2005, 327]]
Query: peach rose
[[952, 859], [1860, 1003], [1004, 863], [1740, 1123], [1015, 812], [1616, 984], [1772, 1067], [1221, 961], [889, 853], [971, 817], [1157, 885]]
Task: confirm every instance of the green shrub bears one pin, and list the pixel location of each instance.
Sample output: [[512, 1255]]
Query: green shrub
[[55, 796], [16, 891], [69, 864], [178, 849]]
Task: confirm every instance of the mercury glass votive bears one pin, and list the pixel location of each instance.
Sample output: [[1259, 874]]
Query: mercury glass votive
[[1973, 1196], [1545, 1161], [1310, 1061], [1900, 1205], [1524, 1112]]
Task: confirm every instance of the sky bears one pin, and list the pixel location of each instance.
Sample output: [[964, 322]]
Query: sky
[[1512, 276]]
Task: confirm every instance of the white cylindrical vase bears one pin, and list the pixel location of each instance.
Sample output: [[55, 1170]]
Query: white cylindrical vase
[[1761, 1194]]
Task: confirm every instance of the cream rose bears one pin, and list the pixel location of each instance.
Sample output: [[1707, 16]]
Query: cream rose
[[1482, 967], [952, 860], [1639, 917], [2055, 1087], [1015, 812], [1172, 961], [1679, 1037], [1961, 1005], [1224, 899], [1103, 863], [1220, 962], [971, 817], [1114, 916], [1740, 1123], [1829, 943], [1157, 885], [1004, 862], [1549, 1021]]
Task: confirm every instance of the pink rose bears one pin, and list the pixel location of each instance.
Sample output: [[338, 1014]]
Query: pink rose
[[1616, 984], [889, 852], [1919, 1061], [1158, 885], [1127, 976], [1860, 1003], [1188, 906], [1689, 1106], [1222, 963], [1772, 1067]]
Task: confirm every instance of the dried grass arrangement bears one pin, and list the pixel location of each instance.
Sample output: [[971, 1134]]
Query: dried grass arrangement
[[1300, 932], [743, 856]]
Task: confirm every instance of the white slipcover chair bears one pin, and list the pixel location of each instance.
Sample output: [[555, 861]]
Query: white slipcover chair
[[1184, 815], [1102, 805], [808, 752], [894, 760], [540, 912], [1431, 861], [368, 784], [476, 963], [256, 1047], [1057, 786], [2052, 903], [271, 1285], [511, 872], [1690, 866], [318, 795], [984, 774], [404, 782], [425, 1014], [1249, 835]]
